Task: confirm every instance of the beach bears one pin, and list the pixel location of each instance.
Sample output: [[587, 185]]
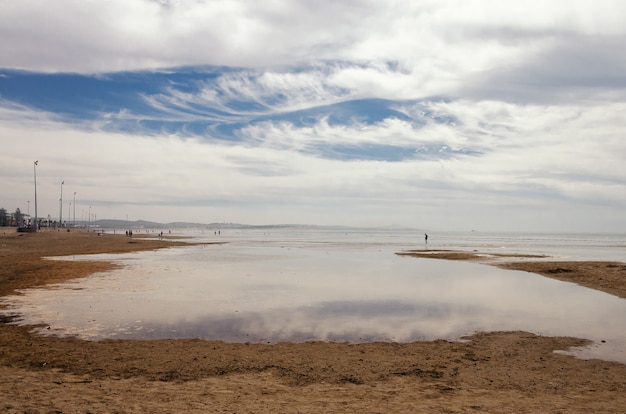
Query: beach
[[490, 372]]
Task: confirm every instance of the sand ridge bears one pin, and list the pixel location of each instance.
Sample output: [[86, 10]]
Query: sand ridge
[[609, 277]]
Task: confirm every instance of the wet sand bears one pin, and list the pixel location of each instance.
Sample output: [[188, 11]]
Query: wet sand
[[493, 372]]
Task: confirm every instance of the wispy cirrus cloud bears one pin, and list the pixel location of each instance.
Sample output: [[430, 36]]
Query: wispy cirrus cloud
[[514, 165]]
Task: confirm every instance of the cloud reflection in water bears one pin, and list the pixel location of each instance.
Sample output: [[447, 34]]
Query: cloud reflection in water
[[260, 292]]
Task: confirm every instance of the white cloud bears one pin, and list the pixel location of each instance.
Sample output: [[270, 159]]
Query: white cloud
[[440, 45], [534, 91], [541, 168]]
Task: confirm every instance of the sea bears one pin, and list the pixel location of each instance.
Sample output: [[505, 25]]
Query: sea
[[299, 283]]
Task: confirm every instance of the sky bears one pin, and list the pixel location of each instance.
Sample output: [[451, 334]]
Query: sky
[[436, 115]]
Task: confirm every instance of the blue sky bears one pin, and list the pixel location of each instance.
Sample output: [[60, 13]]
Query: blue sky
[[438, 115]]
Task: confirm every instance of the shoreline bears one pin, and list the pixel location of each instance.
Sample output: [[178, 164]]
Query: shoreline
[[496, 372]]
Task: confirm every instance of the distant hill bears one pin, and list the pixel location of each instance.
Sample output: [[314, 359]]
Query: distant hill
[[143, 224]]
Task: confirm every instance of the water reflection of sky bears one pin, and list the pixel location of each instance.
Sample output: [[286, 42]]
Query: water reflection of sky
[[267, 290]]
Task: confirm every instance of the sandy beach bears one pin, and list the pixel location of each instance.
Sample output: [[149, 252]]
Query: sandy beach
[[501, 372]]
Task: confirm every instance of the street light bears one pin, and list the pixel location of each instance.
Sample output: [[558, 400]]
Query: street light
[[74, 221], [61, 206], [35, 174]]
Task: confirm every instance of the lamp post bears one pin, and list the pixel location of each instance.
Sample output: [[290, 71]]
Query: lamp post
[[35, 175], [74, 221], [61, 206]]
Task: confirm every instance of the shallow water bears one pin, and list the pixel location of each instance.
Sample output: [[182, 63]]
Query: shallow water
[[298, 285]]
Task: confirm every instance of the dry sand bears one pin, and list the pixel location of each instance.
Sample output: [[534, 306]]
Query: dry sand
[[505, 372]]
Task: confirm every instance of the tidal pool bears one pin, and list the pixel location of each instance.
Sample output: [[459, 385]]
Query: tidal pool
[[264, 289]]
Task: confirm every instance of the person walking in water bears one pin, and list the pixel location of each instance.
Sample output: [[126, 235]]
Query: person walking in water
[[426, 239]]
